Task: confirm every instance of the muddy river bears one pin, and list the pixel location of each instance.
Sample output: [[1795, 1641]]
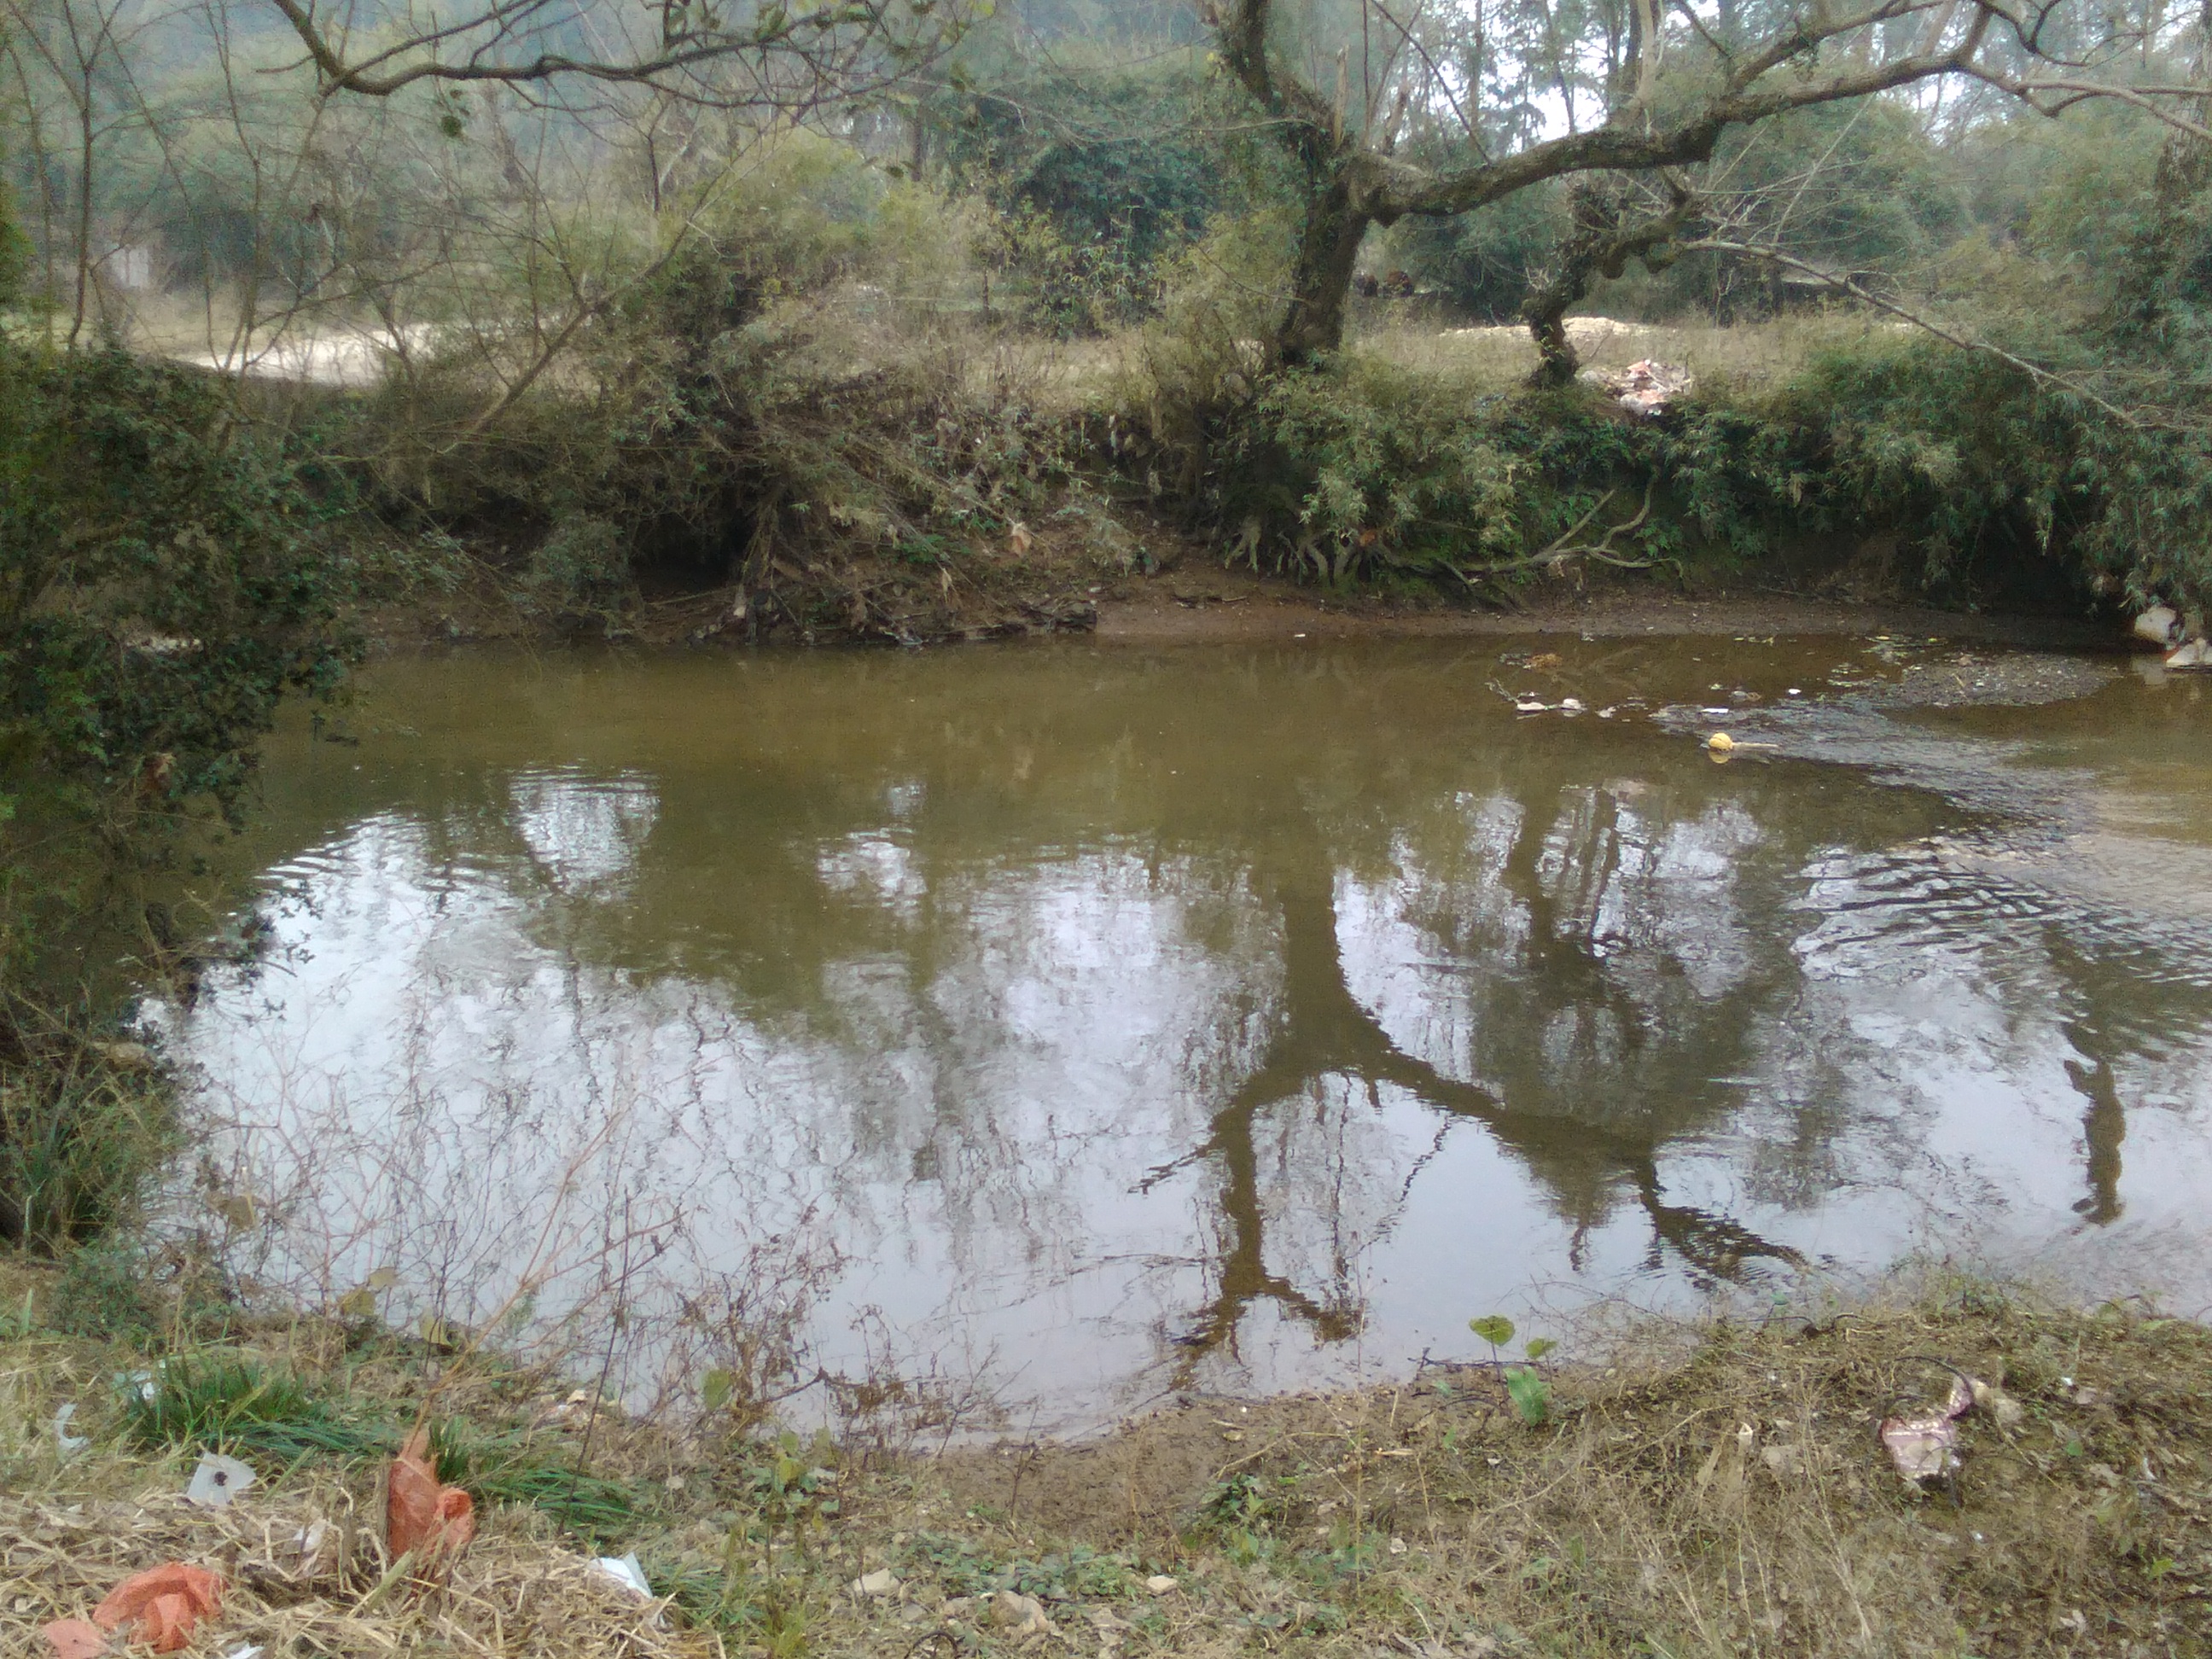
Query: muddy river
[[1069, 1025]]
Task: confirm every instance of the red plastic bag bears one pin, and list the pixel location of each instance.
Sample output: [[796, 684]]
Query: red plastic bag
[[419, 1514], [164, 1602]]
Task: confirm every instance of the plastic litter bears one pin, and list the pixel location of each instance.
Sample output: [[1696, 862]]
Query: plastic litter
[[76, 1638], [1159, 1584], [247, 1650], [882, 1582], [217, 1480], [1924, 1445], [420, 1517], [625, 1571], [67, 1445], [160, 1606], [1644, 387]]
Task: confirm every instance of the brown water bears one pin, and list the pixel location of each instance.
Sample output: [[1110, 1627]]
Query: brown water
[[1083, 1023]]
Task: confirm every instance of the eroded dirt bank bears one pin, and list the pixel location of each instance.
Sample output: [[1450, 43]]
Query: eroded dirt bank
[[1224, 605], [1196, 601]]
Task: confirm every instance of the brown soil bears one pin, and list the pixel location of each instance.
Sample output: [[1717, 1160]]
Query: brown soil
[[1199, 604], [1219, 606]]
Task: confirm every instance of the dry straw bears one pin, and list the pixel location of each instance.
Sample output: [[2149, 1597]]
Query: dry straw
[[302, 1567]]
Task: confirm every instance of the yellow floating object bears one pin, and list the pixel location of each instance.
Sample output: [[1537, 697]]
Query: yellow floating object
[[1719, 743]]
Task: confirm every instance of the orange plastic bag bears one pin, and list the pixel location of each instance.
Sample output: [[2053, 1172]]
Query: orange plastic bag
[[164, 1602], [419, 1514], [74, 1638]]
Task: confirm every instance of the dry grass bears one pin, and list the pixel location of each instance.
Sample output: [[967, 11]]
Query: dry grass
[[1752, 354], [1713, 1490], [510, 1594], [1729, 1500]]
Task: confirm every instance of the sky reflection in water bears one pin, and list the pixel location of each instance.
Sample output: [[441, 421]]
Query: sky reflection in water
[[1102, 1021]]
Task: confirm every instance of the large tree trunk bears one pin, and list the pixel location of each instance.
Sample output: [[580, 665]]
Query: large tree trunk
[[1328, 247]]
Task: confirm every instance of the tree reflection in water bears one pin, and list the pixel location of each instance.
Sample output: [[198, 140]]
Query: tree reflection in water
[[989, 969]]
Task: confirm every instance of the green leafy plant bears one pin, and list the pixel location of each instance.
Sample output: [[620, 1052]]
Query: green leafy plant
[[1524, 1385]]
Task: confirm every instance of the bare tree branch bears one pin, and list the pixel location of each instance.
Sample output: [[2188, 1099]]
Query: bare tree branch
[[855, 44]]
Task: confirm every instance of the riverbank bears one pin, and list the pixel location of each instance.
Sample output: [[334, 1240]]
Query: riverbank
[[1688, 1489], [1192, 599]]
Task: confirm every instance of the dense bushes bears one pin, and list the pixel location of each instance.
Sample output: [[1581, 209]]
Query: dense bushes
[[791, 393], [166, 577], [1985, 478]]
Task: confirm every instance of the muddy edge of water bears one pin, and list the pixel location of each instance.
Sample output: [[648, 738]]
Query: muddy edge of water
[[1227, 606]]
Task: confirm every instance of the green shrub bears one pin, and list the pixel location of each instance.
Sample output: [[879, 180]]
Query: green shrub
[[1365, 470], [166, 578], [214, 1402]]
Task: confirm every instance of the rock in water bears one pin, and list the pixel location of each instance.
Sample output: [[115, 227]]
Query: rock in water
[[2161, 625]]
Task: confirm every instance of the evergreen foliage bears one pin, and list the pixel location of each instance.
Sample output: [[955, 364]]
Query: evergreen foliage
[[167, 575]]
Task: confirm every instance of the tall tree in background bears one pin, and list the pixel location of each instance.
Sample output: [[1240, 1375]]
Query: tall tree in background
[[1666, 87]]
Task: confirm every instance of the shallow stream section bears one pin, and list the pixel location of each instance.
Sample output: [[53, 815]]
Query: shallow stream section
[[1067, 1025]]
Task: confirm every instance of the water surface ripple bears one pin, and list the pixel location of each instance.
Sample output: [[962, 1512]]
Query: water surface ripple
[[1076, 1023]]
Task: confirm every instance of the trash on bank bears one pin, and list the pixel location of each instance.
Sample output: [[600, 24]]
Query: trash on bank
[[1024, 1614], [625, 1571], [74, 1638], [2182, 638], [1644, 387], [2006, 1413], [217, 1480], [158, 1606], [67, 1445], [882, 1582], [421, 1517], [1924, 1445]]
